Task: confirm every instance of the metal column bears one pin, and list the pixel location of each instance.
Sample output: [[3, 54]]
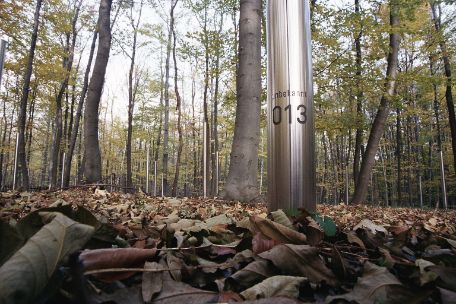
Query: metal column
[[291, 136]]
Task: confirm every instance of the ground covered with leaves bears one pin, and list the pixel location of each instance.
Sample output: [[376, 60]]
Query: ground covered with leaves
[[92, 246]]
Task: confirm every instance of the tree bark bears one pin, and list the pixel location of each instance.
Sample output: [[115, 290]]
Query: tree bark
[[242, 181], [449, 80], [132, 89], [92, 166], [215, 142], [21, 156], [166, 122], [179, 121], [359, 98], [77, 119], [382, 114]]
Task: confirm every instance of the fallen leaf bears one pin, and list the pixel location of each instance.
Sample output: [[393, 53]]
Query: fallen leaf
[[277, 286], [178, 292], [377, 285], [280, 217], [251, 274], [10, 240], [276, 231], [99, 259], [300, 260], [367, 224], [261, 244], [27, 272], [447, 296], [152, 282]]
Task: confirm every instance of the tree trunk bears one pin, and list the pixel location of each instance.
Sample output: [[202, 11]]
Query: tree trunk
[[132, 89], [179, 121], [242, 181], [215, 143], [68, 66], [382, 114], [77, 119], [21, 156], [449, 79], [359, 98], [92, 166], [398, 202], [166, 123]]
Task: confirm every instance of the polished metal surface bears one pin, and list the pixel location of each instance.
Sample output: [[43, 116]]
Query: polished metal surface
[[291, 140]]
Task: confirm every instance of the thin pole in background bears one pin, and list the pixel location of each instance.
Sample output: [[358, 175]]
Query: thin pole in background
[[163, 194], [147, 171], [421, 191], [204, 160], [15, 162], [442, 172], [217, 173], [155, 178], [63, 170]]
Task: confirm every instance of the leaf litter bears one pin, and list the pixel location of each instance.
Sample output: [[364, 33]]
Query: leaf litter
[[93, 246]]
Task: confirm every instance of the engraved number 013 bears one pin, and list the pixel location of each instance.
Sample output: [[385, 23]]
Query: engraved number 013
[[277, 114]]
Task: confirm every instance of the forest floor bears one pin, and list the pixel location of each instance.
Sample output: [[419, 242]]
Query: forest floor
[[92, 246]]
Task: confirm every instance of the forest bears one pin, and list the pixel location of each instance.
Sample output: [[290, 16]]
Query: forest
[[171, 81], [137, 157]]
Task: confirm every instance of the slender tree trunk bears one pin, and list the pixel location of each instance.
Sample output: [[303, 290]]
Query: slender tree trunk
[[398, 202], [166, 123], [92, 166], [215, 149], [179, 121], [242, 182], [359, 97], [44, 163], [68, 66], [2, 150], [132, 89], [380, 120], [22, 161], [160, 124], [77, 119], [449, 79], [30, 124]]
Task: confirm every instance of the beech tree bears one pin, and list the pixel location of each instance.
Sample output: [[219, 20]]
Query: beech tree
[[21, 155], [92, 166], [378, 125], [242, 180]]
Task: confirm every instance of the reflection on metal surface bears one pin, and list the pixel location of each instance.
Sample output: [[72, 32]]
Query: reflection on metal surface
[[291, 140]]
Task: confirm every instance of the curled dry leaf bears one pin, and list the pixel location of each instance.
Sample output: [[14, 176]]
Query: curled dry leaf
[[152, 282], [378, 285], [280, 217], [368, 224], [27, 272], [276, 231], [277, 286], [251, 274], [300, 260], [261, 244], [100, 259]]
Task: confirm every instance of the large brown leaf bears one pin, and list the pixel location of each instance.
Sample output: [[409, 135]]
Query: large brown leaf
[[178, 292], [277, 286], [27, 272], [300, 260], [115, 258], [276, 231], [378, 285], [152, 282], [251, 274]]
